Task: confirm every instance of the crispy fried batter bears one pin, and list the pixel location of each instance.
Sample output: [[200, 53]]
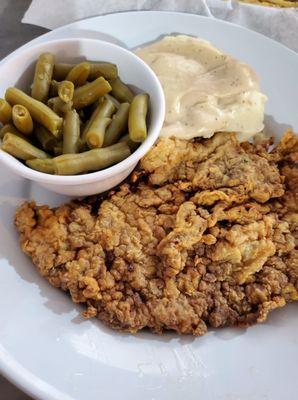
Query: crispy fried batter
[[212, 245], [218, 165]]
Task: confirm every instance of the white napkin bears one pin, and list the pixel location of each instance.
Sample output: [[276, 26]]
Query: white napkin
[[279, 24]]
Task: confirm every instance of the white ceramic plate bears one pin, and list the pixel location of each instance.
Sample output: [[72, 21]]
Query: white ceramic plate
[[51, 353]]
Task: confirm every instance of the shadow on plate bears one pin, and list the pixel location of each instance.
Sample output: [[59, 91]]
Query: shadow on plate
[[280, 316], [158, 38], [275, 128], [145, 334], [227, 333]]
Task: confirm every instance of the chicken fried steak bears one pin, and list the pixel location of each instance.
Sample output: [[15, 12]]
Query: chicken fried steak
[[205, 237]]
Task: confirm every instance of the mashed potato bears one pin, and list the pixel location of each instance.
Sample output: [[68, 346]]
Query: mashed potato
[[206, 90]]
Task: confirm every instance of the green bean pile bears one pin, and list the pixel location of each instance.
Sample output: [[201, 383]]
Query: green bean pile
[[79, 118]]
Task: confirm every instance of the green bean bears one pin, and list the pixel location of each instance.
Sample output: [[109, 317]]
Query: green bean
[[66, 91], [38, 111], [115, 101], [95, 105], [58, 106], [84, 130], [5, 111], [105, 109], [22, 119], [79, 74], [11, 129], [71, 133], [96, 132], [61, 70], [43, 165], [132, 145], [63, 89], [20, 148], [45, 138], [105, 69], [89, 93], [42, 77], [92, 160], [53, 92], [117, 126], [120, 91], [137, 118], [96, 108]]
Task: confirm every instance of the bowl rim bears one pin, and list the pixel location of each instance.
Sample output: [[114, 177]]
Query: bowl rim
[[26, 172]]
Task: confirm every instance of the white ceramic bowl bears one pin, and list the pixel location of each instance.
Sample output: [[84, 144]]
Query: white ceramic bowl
[[18, 71]]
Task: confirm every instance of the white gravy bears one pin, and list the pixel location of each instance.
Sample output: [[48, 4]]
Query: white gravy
[[206, 90]]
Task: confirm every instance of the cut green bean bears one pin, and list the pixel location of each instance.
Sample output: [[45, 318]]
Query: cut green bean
[[20, 148], [132, 145], [53, 92], [137, 127], [66, 91], [96, 132], [79, 74], [117, 126], [22, 119], [71, 133], [75, 118], [105, 109], [61, 70], [120, 91], [87, 125], [89, 93], [9, 128], [42, 165], [5, 112], [111, 98], [95, 111], [63, 89], [45, 138], [38, 111], [97, 69], [95, 105], [105, 69], [58, 106], [92, 160], [42, 77]]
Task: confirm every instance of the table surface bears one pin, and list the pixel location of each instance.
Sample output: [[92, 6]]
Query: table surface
[[12, 35]]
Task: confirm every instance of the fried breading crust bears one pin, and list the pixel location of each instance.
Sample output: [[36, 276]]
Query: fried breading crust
[[219, 167], [212, 245]]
